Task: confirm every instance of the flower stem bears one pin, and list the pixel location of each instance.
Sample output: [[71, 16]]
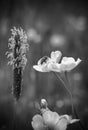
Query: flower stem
[[58, 77], [75, 112], [17, 82]]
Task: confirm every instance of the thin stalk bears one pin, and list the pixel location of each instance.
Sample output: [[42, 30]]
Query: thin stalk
[[59, 78], [75, 112], [17, 82], [68, 84]]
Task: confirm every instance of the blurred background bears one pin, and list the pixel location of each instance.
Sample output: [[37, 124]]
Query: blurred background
[[50, 25]]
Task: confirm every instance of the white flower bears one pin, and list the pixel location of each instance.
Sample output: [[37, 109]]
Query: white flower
[[47, 64], [52, 120]]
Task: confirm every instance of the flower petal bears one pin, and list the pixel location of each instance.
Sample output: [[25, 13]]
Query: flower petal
[[74, 120], [54, 67], [41, 68], [56, 56], [69, 119], [78, 61], [50, 118], [37, 117], [37, 122], [61, 124], [69, 63], [38, 68]]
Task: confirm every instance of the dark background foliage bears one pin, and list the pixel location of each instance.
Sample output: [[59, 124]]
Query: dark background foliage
[[50, 25]]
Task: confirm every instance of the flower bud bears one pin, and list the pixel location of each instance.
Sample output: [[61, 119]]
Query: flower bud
[[44, 103]]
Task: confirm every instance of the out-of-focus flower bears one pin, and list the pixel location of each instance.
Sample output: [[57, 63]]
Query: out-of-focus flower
[[57, 40], [53, 63], [34, 36], [52, 120], [74, 24], [59, 103]]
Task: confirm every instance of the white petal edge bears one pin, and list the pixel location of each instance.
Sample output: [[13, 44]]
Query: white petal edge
[[78, 61], [74, 120], [41, 68], [37, 68]]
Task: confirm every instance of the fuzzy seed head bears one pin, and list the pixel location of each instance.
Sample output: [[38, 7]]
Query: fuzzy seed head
[[19, 47]]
